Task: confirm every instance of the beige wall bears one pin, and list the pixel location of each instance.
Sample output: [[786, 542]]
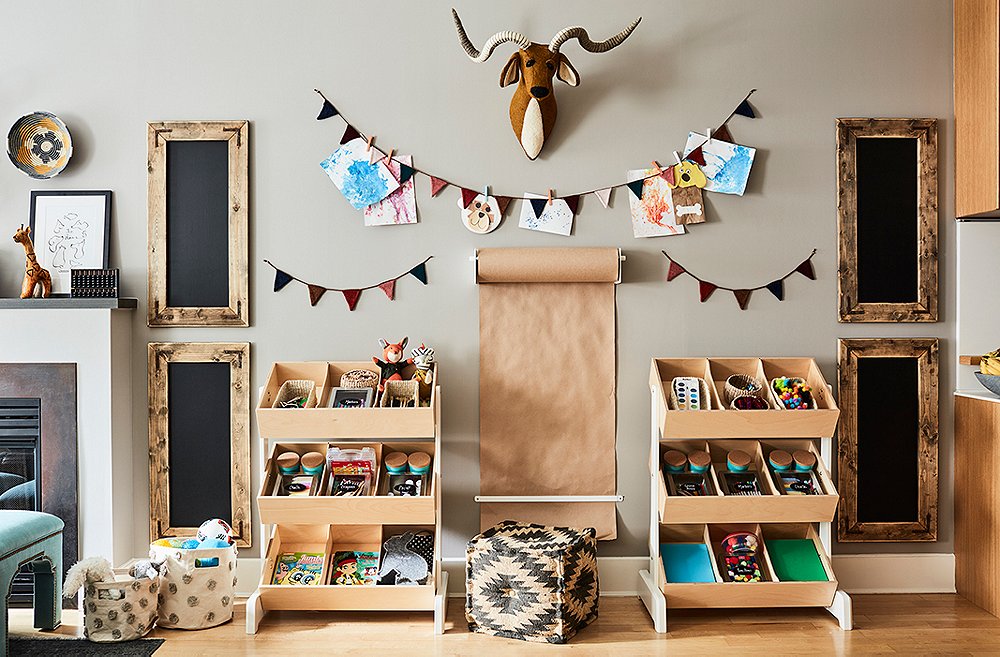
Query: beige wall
[[397, 70]]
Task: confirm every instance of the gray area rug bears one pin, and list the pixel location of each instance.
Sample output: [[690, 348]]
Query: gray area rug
[[46, 647]]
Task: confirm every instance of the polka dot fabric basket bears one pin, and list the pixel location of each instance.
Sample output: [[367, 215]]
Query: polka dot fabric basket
[[196, 588], [121, 610]]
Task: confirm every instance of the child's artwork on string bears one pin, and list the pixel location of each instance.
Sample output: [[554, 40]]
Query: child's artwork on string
[[727, 165], [653, 213], [362, 182]]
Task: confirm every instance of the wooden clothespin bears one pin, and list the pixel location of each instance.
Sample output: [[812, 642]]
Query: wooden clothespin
[[486, 191], [677, 156], [550, 197], [708, 134], [371, 140], [657, 167], [388, 157]]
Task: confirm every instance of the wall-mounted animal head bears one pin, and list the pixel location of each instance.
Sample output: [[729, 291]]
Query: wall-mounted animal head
[[532, 68]]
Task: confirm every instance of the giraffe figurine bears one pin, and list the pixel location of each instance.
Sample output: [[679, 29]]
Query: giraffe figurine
[[34, 273]]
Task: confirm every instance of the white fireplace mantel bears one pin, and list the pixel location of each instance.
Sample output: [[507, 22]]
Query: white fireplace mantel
[[96, 334]]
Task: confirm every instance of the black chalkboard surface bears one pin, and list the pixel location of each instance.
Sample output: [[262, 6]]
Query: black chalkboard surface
[[888, 219], [200, 442], [197, 200], [888, 411]]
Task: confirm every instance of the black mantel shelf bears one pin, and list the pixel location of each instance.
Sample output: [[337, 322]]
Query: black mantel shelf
[[68, 303]]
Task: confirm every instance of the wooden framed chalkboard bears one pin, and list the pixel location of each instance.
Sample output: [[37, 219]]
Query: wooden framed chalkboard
[[888, 219], [199, 437], [887, 463], [197, 223]]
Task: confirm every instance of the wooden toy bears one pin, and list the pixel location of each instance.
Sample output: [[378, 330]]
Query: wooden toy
[[34, 274]]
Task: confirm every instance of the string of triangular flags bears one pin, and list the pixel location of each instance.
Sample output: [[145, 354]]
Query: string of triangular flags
[[482, 212], [351, 295], [775, 287]]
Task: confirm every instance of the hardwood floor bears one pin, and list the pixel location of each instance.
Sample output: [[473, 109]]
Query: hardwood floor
[[888, 624]]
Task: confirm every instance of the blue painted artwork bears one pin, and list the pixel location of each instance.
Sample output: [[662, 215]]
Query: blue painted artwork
[[727, 166], [361, 182]]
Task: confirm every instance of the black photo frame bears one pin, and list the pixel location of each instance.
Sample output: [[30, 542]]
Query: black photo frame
[[61, 246]]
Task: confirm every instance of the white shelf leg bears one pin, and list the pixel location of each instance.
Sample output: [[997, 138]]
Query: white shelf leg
[[655, 601], [843, 610], [441, 603], [255, 612]]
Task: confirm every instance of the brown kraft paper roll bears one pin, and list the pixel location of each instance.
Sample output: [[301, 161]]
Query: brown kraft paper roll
[[547, 383]]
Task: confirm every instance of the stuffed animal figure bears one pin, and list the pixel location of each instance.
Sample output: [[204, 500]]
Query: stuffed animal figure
[[423, 358], [410, 567], [392, 363], [86, 571]]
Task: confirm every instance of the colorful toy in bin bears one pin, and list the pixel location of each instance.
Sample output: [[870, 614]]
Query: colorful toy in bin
[[739, 556], [794, 393], [423, 359], [217, 529]]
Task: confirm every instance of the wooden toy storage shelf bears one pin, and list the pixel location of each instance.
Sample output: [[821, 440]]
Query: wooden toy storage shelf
[[327, 524], [707, 519]]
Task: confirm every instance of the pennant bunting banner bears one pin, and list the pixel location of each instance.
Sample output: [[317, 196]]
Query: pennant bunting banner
[[696, 155], [420, 272], [636, 187], [744, 109], [742, 294], [468, 196], [315, 294], [604, 196], [674, 271], [705, 290], [351, 295], [350, 134], [437, 185], [405, 172], [281, 279], [742, 297], [538, 205]]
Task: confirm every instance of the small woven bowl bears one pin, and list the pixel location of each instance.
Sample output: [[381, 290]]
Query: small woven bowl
[[741, 385]]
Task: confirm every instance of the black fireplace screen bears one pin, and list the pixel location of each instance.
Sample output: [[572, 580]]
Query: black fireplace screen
[[20, 433]]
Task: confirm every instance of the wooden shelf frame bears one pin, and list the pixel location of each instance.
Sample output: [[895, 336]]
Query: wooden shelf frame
[[654, 590], [432, 597]]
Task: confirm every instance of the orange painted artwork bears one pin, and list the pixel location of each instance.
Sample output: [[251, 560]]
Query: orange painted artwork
[[653, 214]]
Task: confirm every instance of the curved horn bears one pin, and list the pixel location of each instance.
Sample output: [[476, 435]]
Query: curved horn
[[491, 43], [591, 46]]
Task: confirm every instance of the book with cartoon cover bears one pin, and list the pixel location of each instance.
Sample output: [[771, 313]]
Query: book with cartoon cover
[[352, 568], [299, 569]]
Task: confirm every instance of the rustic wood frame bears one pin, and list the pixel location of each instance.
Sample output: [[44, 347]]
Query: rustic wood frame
[[158, 134], [849, 529], [237, 354], [925, 308]]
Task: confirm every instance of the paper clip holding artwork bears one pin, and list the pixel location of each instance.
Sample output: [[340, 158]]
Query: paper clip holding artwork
[[549, 216], [653, 210], [400, 206], [361, 181], [727, 165]]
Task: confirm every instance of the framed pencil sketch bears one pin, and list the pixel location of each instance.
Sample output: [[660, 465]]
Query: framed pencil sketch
[[70, 230], [887, 216], [199, 437], [887, 445], [197, 211]]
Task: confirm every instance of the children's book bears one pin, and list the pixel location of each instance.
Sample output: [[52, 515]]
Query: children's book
[[687, 562], [352, 568], [796, 560], [299, 569]]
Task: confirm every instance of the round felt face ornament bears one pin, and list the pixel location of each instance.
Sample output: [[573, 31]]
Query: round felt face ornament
[[482, 215]]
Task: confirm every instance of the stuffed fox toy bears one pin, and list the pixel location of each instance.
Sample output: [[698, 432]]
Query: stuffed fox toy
[[392, 363]]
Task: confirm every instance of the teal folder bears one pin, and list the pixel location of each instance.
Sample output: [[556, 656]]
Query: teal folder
[[687, 562]]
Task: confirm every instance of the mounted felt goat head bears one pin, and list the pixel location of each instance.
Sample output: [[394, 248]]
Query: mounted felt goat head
[[532, 68]]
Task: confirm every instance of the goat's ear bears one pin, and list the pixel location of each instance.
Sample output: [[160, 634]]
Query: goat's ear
[[566, 72], [511, 72]]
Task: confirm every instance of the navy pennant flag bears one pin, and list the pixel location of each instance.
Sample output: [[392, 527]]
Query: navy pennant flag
[[420, 272], [636, 187], [538, 205], [281, 279], [777, 288], [405, 172], [746, 110]]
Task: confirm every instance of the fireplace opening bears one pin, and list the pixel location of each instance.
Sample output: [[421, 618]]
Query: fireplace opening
[[20, 471]]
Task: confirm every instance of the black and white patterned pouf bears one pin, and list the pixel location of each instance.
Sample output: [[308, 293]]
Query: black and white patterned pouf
[[531, 582]]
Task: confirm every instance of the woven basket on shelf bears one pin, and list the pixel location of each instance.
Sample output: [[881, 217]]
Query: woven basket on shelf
[[702, 388], [294, 389], [355, 379], [741, 385], [406, 391]]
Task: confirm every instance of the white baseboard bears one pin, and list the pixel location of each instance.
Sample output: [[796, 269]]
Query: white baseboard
[[856, 573]]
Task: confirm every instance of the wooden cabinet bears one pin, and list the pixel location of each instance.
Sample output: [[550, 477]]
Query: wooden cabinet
[[977, 108], [977, 505]]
